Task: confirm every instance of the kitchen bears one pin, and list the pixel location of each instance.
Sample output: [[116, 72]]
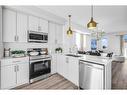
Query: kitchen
[[40, 48]]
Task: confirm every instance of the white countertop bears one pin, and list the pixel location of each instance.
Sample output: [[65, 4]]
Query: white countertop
[[4, 58], [96, 59]]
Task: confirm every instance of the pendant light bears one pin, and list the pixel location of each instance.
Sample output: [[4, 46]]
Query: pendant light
[[69, 31], [92, 24]]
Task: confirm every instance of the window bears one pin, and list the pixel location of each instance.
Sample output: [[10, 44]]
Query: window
[[125, 38], [78, 40], [93, 44], [81, 41], [104, 43]]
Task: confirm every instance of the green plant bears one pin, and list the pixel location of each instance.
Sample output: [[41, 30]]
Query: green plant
[[18, 52], [59, 49]]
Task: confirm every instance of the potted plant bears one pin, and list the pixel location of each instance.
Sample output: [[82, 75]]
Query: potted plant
[[58, 50], [18, 53]]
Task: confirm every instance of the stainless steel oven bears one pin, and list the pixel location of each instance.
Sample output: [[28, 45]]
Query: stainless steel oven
[[39, 68], [37, 37]]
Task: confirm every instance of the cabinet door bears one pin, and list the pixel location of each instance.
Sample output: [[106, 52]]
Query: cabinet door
[[9, 26], [73, 70], [60, 64], [59, 34], [65, 66], [22, 27], [43, 26], [54, 64], [8, 76], [22, 73], [33, 23], [51, 37]]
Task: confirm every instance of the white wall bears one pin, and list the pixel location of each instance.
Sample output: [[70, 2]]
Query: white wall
[[114, 44], [24, 46]]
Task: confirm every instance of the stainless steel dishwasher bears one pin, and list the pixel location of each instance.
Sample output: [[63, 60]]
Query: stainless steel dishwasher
[[91, 75]]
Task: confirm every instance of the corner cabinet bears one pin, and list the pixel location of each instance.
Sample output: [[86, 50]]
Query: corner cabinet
[[68, 67], [73, 70], [55, 36], [14, 72], [14, 26]]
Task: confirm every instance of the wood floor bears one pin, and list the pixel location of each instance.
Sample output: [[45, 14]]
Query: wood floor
[[53, 82], [119, 80], [119, 75]]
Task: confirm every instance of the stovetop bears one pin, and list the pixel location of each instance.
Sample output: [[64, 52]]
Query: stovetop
[[39, 57]]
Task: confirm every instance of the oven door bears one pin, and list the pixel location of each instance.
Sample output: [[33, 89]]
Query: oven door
[[39, 67]]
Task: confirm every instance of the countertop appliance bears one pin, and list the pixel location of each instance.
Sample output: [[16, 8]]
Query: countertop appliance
[[37, 37], [91, 75], [40, 65]]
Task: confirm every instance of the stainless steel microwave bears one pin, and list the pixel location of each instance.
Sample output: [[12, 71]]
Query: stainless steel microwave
[[37, 37]]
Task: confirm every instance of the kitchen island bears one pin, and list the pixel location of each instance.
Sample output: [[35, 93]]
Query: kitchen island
[[95, 72], [69, 67]]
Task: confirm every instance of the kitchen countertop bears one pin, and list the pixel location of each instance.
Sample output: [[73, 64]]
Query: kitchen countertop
[[10, 57], [94, 59]]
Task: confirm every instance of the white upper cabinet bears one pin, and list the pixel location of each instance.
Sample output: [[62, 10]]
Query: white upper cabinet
[[59, 34], [43, 26], [51, 37], [38, 24], [9, 26], [33, 23], [21, 27], [14, 26]]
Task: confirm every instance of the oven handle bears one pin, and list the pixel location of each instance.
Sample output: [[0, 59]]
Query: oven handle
[[31, 61]]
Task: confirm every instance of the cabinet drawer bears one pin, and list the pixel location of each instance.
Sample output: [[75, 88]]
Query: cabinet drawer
[[11, 61]]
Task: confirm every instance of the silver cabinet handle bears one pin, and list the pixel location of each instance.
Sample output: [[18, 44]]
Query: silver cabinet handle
[[14, 68], [17, 68], [15, 38]]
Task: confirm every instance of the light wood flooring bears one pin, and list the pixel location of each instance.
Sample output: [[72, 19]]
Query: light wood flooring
[[119, 80], [119, 75], [53, 82]]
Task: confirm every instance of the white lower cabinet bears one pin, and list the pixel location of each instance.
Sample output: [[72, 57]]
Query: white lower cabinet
[[73, 70], [14, 72], [22, 73], [68, 67], [8, 77], [53, 64], [60, 64]]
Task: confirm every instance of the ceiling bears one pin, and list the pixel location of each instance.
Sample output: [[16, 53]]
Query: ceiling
[[109, 18]]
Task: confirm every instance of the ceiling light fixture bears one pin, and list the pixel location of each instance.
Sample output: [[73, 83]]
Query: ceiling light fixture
[[69, 31], [92, 24]]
